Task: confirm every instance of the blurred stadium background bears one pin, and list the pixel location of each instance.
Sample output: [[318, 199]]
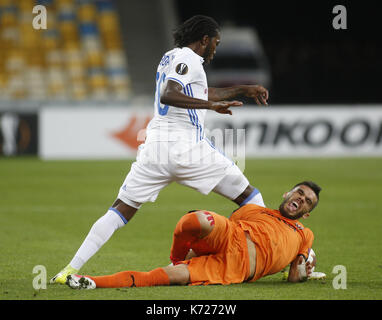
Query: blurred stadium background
[[103, 54]]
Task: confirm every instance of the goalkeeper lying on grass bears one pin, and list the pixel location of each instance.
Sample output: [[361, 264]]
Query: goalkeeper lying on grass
[[208, 248]]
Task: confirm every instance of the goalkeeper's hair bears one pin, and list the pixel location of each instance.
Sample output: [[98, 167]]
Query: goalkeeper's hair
[[312, 185], [194, 29]]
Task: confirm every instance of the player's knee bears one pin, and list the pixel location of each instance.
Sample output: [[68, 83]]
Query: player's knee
[[178, 275], [197, 223], [207, 222], [187, 225]]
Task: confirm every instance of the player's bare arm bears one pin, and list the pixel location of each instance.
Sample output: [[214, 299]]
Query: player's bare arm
[[257, 92], [173, 95]]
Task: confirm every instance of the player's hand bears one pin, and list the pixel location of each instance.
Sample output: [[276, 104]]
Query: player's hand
[[294, 272], [258, 93], [308, 268], [223, 106]]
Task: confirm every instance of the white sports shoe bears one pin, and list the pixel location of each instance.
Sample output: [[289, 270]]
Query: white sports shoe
[[75, 281], [317, 276]]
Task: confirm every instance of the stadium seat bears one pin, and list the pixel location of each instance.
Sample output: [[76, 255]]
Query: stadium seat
[[79, 56]]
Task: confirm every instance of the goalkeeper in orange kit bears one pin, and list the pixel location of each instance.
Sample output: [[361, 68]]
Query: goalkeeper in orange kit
[[209, 248]]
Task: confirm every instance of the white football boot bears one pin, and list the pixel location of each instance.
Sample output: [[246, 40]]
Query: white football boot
[[75, 281]]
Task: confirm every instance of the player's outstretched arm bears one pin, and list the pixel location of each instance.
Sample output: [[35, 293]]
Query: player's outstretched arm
[[258, 93], [173, 95]]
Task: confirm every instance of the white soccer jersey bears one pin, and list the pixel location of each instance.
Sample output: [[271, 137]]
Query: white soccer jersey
[[170, 123], [175, 148]]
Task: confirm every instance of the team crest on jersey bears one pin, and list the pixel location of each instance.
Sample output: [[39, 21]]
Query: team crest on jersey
[[299, 226], [181, 69]]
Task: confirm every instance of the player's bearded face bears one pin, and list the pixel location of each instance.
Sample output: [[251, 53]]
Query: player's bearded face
[[287, 214], [298, 202], [210, 50]]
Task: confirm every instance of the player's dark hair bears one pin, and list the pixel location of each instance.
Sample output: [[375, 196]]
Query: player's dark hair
[[194, 29], [314, 186]]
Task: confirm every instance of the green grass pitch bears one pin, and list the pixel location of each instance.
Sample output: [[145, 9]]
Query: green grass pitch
[[48, 207]]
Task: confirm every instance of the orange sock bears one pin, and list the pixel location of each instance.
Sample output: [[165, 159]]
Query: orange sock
[[186, 232], [156, 277]]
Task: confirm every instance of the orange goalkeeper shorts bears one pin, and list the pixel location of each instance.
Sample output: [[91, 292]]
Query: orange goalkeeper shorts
[[224, 255]]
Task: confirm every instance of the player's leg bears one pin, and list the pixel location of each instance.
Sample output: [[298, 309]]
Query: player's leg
[[250, 195], [170, 275], [190, 229], [154, 277], [142, 184], [210, 170], [126, 210], [204, 232], [115, 218], [236, 187], [222, 255]]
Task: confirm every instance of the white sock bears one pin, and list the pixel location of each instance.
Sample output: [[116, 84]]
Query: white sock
[[99, 234], [255, 198]]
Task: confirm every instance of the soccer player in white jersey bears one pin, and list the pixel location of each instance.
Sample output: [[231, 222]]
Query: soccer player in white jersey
[[176, 148]]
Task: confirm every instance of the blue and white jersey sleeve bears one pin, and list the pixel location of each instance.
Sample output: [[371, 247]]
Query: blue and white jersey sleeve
[[184, 69]]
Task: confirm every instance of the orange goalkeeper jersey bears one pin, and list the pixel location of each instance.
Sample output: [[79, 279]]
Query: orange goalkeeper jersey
[[278, 240]]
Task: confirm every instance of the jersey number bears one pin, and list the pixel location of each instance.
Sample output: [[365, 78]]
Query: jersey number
[[161, 109]]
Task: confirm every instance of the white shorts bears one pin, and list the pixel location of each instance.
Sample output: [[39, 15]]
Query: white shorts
[[199, 166]]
